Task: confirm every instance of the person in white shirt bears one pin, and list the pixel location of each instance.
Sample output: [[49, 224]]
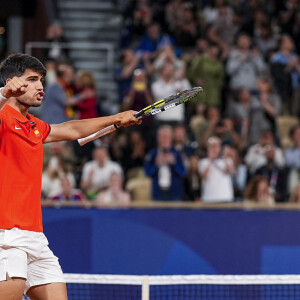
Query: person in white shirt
[[166, 86], [216, 174], [255, 156], [96, 173]]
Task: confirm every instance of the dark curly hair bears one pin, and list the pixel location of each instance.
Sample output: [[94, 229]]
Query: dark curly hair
[[16, 65]]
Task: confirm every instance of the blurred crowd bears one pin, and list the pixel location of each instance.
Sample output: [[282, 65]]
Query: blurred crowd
[[239, 141]]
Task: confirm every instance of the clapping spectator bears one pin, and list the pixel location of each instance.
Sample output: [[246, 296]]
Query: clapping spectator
[[259, 191], [239, 174], [167, 55], [244, 64], [216, 174], [114, 194], [96, 173], [123, 74], [165, 166], [255, 156], [277, 176], [292, 155], [56, 170], [285, 69]]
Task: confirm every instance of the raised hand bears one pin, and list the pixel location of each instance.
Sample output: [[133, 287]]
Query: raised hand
[[14, 87]]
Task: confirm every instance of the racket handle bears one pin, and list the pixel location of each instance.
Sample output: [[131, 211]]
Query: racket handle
[[97, 134]]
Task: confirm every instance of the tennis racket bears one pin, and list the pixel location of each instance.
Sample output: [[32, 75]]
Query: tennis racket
[[153, 109]]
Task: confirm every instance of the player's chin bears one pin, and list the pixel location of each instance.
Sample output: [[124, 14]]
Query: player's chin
[[36, 103]]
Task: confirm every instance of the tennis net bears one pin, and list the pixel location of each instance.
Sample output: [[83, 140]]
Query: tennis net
[[182, 287]]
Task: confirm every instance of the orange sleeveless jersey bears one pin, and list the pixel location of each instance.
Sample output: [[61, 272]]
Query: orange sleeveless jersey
[[21, 164]]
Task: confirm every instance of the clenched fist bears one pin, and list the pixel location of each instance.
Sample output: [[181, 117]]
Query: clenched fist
[[14, 87], [127, 118]]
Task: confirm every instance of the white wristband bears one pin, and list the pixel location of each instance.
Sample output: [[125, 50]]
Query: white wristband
[[1, 96]]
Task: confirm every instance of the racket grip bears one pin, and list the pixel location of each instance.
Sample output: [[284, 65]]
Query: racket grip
[[97, 134]]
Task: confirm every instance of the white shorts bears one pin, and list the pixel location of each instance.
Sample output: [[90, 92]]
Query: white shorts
[[26, 254]]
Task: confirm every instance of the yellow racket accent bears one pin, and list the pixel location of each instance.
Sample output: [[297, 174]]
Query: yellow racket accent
[[159, 104], [154, 105]]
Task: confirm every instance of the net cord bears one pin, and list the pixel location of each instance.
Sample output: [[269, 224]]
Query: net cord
[[183, 279]]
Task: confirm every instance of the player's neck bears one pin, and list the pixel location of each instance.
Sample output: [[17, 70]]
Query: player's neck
[[21, 108]]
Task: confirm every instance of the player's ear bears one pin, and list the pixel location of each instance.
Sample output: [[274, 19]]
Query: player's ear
[[7, 80]]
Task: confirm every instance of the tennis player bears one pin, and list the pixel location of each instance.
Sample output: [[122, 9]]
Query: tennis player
[[27, 265]]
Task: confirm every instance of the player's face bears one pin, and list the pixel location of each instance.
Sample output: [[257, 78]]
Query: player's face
[[35, 91]]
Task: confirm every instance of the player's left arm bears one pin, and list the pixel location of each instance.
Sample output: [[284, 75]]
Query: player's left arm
[[73, 130]]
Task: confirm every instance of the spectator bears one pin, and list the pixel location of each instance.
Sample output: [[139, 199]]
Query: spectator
[[244, 64], [287, 15], [239, 174], [216, 174], [265, 40], [277, 177], [55, 37], [222, 128], [211, 11], [225, 27], [142, 18], [85, 100], [134, 153], [253, 24], [173, 13], [292, 155], [295, 197], [54, 108], [52, 176], [96, 173], [255, 156], [264, 109], [207, 127], [154, 41], [164, 165], [285, 68], [167, 55], [114, 194], [165, 86], [123, 74], [259, 191], [185, 32], [181, 143], [192, 181], [208, 71], [68, 193], [239, 112], [139, 95]]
